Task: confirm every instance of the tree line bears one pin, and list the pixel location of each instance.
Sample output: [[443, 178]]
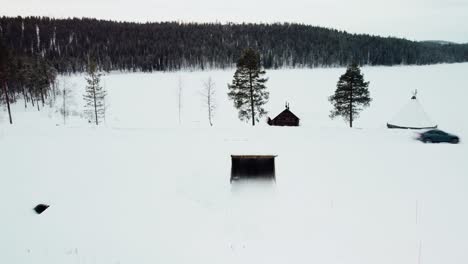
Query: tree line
[[68, 45], [29, 77], [35, 81]]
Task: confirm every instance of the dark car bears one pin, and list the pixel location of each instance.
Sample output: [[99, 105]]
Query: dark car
[[437, 136]]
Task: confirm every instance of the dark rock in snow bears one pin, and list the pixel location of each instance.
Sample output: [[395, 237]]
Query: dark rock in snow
[[40, 208]]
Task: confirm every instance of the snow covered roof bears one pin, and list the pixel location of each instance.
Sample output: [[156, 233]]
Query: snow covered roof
[[412, 116], [253, 156]]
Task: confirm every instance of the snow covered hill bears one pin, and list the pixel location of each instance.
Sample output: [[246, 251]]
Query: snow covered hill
[[145, 189]]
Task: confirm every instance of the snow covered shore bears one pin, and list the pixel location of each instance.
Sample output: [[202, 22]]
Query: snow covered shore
[[144, 189]]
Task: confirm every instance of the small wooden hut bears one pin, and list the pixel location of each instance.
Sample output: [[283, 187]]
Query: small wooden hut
[[285, 118]]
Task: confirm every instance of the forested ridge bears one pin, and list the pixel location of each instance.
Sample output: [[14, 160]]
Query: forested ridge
[[69, 44]]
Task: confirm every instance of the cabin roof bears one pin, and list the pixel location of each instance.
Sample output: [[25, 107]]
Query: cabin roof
[[253, 156], [286, 112]]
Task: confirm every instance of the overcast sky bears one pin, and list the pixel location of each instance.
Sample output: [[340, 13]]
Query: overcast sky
[[412, 19]]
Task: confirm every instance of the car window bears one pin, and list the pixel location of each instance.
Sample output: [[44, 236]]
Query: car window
[[437, 132]]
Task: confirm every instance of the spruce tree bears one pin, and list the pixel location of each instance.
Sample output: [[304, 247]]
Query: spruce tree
[[5, 74], [248, 90], [351, 95], [94, 94]]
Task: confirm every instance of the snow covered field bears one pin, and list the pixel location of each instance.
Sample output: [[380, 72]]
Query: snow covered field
[[145, 189]]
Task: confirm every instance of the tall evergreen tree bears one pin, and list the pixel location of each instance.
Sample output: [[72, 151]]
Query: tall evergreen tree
[[5, 74], [94, 94], [41, 80], [351, 95], [248, 90]]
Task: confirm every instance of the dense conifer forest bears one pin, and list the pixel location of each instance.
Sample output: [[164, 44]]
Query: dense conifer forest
[[69, 44]]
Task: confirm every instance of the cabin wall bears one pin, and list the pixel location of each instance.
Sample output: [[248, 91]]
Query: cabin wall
[[285, 121]]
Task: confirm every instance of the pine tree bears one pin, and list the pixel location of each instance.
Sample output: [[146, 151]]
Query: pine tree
[[5, 74], [248, 87], [43, 79], [351, 95], [94, 94]]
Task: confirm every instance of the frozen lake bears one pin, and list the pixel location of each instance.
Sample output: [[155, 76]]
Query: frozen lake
[[144, 189]]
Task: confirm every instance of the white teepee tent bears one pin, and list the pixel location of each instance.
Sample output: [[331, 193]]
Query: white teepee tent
[[412, 116]]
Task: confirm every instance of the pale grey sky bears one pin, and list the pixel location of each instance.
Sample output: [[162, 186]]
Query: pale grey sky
[[412, 19]]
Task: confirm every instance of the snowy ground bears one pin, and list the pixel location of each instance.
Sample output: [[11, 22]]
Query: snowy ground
[[144, 189]]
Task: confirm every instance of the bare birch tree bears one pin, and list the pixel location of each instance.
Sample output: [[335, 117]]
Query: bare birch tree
[[208, 94], [66, 95], [104, 101], [179, 98]]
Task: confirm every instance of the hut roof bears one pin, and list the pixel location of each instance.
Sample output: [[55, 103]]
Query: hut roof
[[253, 156], [286, 112]]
